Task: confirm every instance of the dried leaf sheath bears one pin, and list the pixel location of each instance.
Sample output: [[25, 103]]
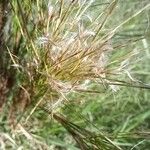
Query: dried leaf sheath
[[3, 51]]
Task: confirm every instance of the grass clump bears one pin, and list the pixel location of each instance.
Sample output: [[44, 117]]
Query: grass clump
[[53, 50]]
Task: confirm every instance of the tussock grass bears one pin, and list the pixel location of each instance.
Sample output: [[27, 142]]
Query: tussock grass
[[59, 48]]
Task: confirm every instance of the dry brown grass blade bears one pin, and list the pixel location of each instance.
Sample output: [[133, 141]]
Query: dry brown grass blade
[[24, 27], [110, 9]]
